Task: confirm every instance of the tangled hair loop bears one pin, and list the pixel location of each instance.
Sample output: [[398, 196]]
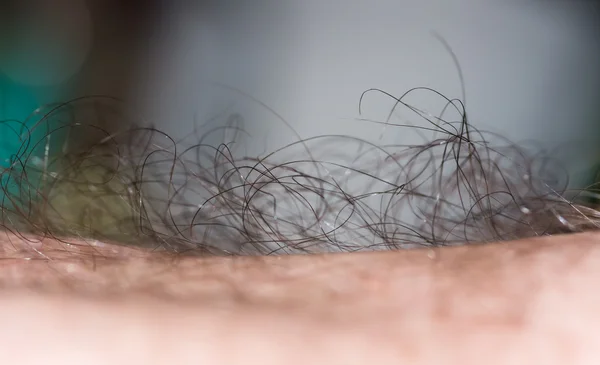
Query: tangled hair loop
[[320, 194]]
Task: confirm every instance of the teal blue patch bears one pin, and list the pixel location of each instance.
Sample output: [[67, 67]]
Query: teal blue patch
[[27, 142]]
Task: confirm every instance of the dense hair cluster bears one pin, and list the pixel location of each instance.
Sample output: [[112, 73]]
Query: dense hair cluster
[[139, 186]]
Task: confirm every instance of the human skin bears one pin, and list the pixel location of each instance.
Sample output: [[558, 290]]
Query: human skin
[[524, 302]]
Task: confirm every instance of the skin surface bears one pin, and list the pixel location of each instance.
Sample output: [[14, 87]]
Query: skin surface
[[525, 302]]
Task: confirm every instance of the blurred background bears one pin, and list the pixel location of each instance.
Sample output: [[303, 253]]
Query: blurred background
[[531, 69]]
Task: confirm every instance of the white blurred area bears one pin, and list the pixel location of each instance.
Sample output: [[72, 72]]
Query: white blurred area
[[531, 69]]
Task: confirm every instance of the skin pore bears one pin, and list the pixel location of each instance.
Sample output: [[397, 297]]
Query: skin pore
[[529, 301]]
